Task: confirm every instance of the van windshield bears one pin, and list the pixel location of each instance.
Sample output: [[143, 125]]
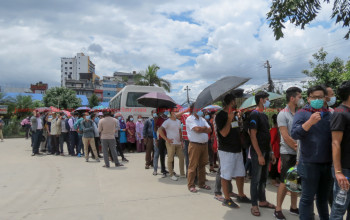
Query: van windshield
[[131, 100]]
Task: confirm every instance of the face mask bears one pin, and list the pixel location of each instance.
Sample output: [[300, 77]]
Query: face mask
[[267, 104], [207, 117], [317, 104], [122, 120], [88, 117], [200, 114], [131, 119], [236, 117], [166, 113], [155, 115], [50, 117], [64, 117], [119, 118], [139, 119], [301, 103], [332, 101]]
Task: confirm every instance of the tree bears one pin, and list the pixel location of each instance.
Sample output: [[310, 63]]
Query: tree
[[330, 74], [302, 12], [93, 101], [24, 106], [150, 78], [61, 97]]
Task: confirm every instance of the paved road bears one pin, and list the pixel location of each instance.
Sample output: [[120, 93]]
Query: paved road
[[56, 187]]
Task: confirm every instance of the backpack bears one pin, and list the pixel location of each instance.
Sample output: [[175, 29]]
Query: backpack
[[67, 124]]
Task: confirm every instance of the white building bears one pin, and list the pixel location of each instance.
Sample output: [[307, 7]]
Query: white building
[[72, 67]]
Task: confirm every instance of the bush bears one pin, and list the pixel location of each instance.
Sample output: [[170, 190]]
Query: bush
[[12, 128]]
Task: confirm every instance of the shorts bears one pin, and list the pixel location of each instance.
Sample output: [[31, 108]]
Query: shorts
[[287, 161], [231, 165]]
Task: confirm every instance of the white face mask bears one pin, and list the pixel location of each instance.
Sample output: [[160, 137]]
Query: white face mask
[[267, 104], [301, 103], [140, 119], [332, 101]]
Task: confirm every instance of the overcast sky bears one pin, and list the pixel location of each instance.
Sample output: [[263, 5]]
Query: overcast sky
[[194, 42]]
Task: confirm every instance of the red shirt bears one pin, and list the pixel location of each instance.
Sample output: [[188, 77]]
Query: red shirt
[[159, 123], [183, 121], [275, 142]]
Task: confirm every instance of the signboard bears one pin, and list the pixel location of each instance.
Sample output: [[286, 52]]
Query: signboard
[[3, 109]]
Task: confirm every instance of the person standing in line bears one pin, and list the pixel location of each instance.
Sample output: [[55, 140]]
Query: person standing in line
[[88, 137], [106, 128], [73, 135], [64, 136], [288, 148], [77, 125], [139, 135], [2, 124], [48, 120], [197, 132], [55, 133], [131, 133], [311, 126], [162, 117], [260, 153], [230, 152], [183, 115], [149, 138], [340, 126], [97, 137], [275, 145], [37, 131], [26, 125], [122, 132], [174, 143], [118, 146]]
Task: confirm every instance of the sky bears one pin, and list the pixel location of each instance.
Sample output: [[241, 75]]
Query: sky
[[193, 42]]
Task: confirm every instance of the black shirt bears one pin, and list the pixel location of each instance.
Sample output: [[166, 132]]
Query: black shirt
[[260, 122], [232, 142], [341, 122]]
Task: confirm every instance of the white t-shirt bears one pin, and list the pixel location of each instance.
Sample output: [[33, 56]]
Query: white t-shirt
[[172, 128]]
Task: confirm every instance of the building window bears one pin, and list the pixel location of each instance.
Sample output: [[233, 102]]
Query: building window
[[70, 72], [65, 73], [66, 67], [70, 62], [70, 67], [65, 62]]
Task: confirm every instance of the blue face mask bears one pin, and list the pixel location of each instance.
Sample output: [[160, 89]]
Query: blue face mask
[[317, 103], [131, 119], [88, 117], [50, 117], [122, 120], [119, 118], [155, 115], [200, 114], [207, 117], [167, 113], [267, 104], [332, 101]]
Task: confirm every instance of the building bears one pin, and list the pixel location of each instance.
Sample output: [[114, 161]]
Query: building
[[111, 85], [39, 88], [39, 97], [72, 68], [128, 78]]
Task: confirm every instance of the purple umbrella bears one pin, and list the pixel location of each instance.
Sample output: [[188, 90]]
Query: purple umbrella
[[87, 109], [157, 100]]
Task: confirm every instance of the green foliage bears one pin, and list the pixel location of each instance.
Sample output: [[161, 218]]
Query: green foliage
[[12, 128], [330, 74], [150, 78], [93, 101], [125, 79], [302, 12], [61, 97], [24, 106]]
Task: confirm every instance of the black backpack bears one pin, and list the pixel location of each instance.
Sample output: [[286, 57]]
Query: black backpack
[[67, 124]]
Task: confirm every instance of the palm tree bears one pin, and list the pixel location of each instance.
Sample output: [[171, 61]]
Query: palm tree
[[150, 78]]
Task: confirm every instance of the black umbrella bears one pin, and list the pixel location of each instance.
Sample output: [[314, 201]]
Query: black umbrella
[[218, 90], [157, 100]]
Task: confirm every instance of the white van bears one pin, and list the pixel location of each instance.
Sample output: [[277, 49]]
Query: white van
[[126, 101]]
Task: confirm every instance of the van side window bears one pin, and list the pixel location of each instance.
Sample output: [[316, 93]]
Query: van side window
[[131, 100]]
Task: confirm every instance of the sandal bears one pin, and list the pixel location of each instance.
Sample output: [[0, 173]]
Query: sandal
[[105, 166], [268, 206], [230, 203], [234, 195], [255, 212], [205, 187], [219, 198], [193, 190]]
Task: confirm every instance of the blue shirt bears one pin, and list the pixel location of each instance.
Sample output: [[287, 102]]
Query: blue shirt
[[315, 144], [154, 133]]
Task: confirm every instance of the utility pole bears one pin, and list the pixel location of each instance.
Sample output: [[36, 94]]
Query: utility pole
[[268, 67], [188, 98]]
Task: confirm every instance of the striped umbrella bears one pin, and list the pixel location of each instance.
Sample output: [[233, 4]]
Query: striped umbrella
[[212, 108]]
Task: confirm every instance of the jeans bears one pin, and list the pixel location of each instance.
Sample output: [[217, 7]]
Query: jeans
[[338, 211], [316, 179], [210, 153], [37, 140], [217, 189], [55, 144], [49, 145], [156, 155], [80, 144], [187, 161], [64, 137], [162, 148], [259, 178], [74, 141], [248, 164]]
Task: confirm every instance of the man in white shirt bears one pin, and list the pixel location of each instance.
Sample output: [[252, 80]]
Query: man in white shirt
[[174, 143], [197, 131]]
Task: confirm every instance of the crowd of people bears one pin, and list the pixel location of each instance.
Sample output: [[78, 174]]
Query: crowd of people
[[310, 136]]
